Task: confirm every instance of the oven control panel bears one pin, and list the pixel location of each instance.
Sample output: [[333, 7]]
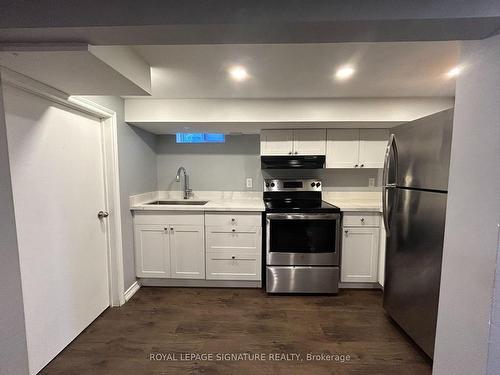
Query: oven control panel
[[292, 185]]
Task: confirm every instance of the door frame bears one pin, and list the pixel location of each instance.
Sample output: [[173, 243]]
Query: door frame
[[110, 168]]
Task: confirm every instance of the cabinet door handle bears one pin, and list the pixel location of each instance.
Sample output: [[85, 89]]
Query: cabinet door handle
[[356, 166], [290, 153], [362, 219], [296, 152], [165, 229], [346, 231], [362, 165], [233, 230], [171, 229], [233, 257]]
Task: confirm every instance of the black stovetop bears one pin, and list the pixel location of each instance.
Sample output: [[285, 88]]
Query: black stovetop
[[297, 202]]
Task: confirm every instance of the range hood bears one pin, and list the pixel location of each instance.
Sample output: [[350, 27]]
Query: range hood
[[292, 162]]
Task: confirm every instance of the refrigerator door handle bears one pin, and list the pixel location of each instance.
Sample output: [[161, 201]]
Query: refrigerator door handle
[[391, 146]]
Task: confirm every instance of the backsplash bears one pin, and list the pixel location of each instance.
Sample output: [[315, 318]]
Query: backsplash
[[225, 167], [333, 179]]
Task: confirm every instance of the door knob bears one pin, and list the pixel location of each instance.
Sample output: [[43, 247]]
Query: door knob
[[102, 214]]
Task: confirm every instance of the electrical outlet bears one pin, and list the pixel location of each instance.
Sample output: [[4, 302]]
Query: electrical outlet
[[371, 182], [249, 183]]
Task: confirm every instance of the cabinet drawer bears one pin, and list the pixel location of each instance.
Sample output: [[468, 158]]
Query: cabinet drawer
[[235, 219], [169, 217], [235, 239], [229, 265], [361, 219]]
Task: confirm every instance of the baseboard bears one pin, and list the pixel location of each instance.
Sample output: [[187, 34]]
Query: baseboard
[[131, 291], [201, 283], [351, 285]]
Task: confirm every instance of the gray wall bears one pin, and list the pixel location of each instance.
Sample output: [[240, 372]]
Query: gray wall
[[217, 166], [470, 253], [225, 166], [137, 168], [13, 347]]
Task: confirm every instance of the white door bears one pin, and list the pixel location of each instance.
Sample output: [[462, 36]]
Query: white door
[[276, 142], [359, 255], [58, 184], [187, 252], [372, 145], [342, 148], [309, 141], [152, 251]]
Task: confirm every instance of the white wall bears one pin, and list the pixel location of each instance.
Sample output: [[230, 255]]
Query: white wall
[[241, 111], [472, 223], [13, 348], [137, 169]]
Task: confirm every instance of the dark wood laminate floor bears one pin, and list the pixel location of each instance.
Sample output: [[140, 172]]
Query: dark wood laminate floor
[[183, 320]]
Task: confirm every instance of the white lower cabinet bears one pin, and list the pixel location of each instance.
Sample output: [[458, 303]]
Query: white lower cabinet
[[381, 255], [152, 251], [187, 253], [233, 253], [169, 245], [231, 265], [179, 245], [360, 248]]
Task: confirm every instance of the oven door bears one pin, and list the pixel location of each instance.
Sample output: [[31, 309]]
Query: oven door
[[309, 239]]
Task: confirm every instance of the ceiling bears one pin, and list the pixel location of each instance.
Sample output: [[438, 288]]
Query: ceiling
[[384, 69]]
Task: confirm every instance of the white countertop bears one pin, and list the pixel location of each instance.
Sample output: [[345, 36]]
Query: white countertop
[[217, 201], [248, 201], [212, 205], [355, 201], [356, 205]]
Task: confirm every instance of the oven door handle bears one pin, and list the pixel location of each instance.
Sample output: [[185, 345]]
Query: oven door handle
[[305, 216]]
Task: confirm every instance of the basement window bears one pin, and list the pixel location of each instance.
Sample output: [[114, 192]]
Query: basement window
[[200, 138]]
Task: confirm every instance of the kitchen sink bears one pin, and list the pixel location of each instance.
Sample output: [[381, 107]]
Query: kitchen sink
[[180, 203]]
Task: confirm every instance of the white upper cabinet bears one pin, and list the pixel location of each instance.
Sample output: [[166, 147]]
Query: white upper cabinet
[[372, 145], [356, 148], [342, 148], [309, 141], [293, 142], [276, 142]]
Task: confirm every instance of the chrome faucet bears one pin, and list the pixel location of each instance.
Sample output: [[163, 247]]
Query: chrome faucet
[[187, 190]]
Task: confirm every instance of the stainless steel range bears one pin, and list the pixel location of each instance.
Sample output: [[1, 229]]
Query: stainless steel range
[[302, 238]]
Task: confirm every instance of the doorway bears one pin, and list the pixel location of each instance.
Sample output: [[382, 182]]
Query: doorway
[[57, 160]]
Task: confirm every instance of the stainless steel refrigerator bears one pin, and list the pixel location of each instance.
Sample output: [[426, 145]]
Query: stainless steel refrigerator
[[414, 208]]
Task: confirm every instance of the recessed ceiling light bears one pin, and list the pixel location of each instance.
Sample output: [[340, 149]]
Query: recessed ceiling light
[[238, 73], [344, 72], [454, 71]]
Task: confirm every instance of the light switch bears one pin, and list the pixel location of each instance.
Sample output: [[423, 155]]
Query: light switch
[[371, 182], [249, 183]]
